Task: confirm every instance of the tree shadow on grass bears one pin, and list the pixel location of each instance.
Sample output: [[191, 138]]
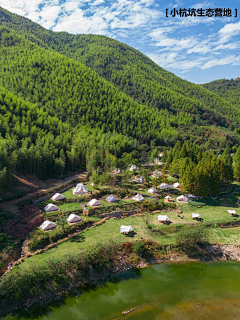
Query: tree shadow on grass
[[79, 238]]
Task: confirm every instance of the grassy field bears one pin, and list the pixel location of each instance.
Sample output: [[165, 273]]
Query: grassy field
[[77, 206], [106, 232], [212, 212]]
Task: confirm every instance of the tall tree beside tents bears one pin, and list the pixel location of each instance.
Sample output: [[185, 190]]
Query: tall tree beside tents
[[227, 168], [236, 165]]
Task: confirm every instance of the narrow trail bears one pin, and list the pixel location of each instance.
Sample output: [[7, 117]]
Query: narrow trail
[[44, 187]]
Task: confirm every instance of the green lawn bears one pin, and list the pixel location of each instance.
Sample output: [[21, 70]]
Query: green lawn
[[77, 206], [108, 231], [213, 211], [225, 235]]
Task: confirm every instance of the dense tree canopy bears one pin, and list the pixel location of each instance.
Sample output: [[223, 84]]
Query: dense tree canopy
[[71, 102]]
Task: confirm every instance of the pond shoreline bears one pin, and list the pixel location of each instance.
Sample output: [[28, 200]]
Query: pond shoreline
[[122, 263]]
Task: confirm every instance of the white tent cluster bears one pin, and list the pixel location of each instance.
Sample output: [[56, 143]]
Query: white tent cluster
[[94, 203], [138, 197], [51, 207], [58, 196], [126, 229], [80, 189], [168, 198], [112, 198]]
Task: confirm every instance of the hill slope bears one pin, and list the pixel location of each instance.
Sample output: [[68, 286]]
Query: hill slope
[[229, 89], [132, 72]]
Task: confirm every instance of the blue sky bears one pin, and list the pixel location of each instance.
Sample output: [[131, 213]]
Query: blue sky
[[199, 49]]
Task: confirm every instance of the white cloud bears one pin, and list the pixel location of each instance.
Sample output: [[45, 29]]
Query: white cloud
[[70, 6], [78, 23], [177, 43], [228, 31], [97, 2], [222, 61]]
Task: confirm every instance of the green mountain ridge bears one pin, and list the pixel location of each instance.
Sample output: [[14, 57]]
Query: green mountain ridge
[[130, 71], [74, 102], [228, 89]]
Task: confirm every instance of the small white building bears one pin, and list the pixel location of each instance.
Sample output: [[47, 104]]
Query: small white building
[[94, 203], [126, 229], [153, 190], [80, 189], [195, 215], [138, 197], [51, 207], [182, 199], [163, 218], [58, 196], [176, 185], [112, 198], [133, 167], [74, 218], [48, 225]]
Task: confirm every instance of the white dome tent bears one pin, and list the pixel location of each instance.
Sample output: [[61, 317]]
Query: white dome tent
[[48, 225], [126, 229], [58, 196], [94, 203], [51, 207], [138, 197], [73, 218], [80, 189], [112, 198]]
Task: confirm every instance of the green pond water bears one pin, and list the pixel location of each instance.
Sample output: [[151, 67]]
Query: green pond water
[[166, 291]]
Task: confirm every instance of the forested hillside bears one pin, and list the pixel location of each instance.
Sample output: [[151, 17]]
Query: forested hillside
[[229, 89], [75, 102], [132, 72]]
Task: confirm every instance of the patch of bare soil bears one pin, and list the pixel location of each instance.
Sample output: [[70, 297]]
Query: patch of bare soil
[[35, 182], [35, 185]]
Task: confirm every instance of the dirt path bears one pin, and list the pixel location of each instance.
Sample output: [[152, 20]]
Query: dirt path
[[40, 186]]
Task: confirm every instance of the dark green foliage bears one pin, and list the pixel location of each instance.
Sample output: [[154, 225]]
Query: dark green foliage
[[16, 288], [139, 248], [74, 102], [229, 89], [189, 238], [236, 167], [4, 240]]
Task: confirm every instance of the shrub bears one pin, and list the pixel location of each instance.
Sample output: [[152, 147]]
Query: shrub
[[139, 248], [191, 237]]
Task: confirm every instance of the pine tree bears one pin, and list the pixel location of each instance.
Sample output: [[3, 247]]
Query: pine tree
[[236, 164]]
